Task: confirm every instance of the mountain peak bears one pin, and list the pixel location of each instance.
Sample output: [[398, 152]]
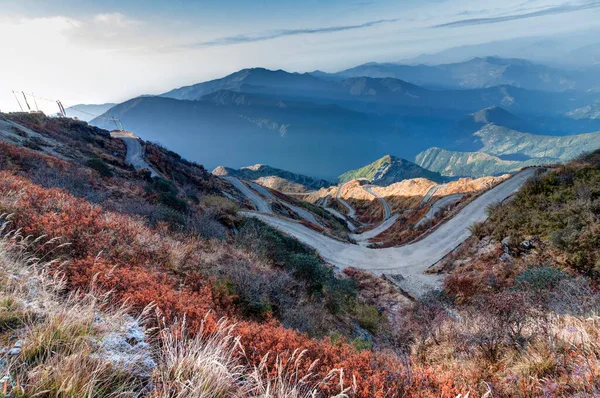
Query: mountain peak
[[255, 167], [493, 114], [388, 170], [249, 79]]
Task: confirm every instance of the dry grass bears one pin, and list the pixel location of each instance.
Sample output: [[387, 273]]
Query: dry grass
[[59, 336], [466, 185], [211, 365], [63, 339], [202, 366], [286, 382]]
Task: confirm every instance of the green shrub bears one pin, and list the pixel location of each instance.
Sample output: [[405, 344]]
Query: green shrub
[[171, 200], [302, 262], [221, 203], [539, 278], [167, 194], [368, 317], [12, 315], [32, 144], [478, 229], [309, 268], [100, 166], [561, 208], [159, 184], [361, 344], [171, 216]]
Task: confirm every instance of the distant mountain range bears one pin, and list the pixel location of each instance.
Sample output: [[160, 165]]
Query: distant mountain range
[[87, 112], [478, 73], [388, 170], [325, 124], [576, 50], [390, 94], [240, 129], [504, 150], [587, 112], [473, 164]]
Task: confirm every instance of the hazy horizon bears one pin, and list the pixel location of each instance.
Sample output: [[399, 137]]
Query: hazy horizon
[[111, 51]]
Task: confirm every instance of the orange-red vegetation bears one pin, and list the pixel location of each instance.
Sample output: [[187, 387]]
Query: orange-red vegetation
[[142, 265]]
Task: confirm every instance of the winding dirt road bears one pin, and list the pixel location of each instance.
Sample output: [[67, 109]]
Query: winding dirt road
[[338, 196], [430, 193], [349, 223], [303, 213], [409, 262], [439, 205], [364, 238], [134, 156], [261, 205], [386, 207]]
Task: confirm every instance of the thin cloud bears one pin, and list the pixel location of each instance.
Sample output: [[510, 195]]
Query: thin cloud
[[561, 9], [224, 41]]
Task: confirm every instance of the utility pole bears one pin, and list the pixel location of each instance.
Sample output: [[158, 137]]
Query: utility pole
[[18, 102], [61, 108], [35, 102], [26, 103]]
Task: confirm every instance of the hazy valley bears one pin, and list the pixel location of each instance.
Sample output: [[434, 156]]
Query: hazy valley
[[342, 123]]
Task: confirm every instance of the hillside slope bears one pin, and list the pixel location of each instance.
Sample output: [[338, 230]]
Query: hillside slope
[[471, 164], [517, 318], [266, 173], [501, 141], [494, 115], [248, 129], [501, 150]]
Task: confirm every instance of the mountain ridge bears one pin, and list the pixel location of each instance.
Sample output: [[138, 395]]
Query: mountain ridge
[[262, 172], [388, 170], [476, 72]]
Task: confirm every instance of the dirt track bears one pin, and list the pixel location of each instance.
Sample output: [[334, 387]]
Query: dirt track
[[338, 196], [386, 207], [261, 205], [135, 156], [409, 261]]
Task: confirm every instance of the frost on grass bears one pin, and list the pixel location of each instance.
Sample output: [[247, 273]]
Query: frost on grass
[[127, 349]]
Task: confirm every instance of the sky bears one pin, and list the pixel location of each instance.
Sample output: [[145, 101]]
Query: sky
[[109, 51]]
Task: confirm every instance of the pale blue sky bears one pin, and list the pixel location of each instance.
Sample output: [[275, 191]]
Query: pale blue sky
[[99, 51]]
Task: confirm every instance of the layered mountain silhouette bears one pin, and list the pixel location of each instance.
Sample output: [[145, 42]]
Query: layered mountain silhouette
[[479, 73], [87, 112], [322, 125], [383, 94]]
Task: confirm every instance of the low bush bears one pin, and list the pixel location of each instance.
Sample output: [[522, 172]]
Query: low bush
[[100, 166], [289, 254], [560, 208], [12, 315], [220, 203], [539, 278], [171, 200], [368, 317]]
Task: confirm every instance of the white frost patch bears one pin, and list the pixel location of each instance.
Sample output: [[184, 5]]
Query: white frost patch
[[128, 350]]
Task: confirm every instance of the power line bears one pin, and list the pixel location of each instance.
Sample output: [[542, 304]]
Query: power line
[[63, 112]]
